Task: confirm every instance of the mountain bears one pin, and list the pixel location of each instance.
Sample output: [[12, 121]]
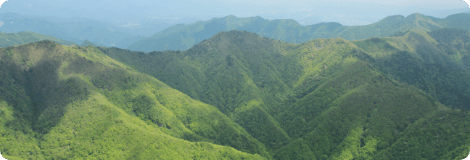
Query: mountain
[[69, 102], [87, 43], [78, 29], [183, 37], [403, 96], [11, 39], [437, 62]]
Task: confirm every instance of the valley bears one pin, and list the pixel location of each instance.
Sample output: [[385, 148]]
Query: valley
[[238, 88]]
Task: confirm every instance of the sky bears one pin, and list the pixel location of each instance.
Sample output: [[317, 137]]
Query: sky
[[306, 12]]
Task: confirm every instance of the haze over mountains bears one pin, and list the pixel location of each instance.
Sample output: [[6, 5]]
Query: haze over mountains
[[182, 37], [78, 30], [346, 12], [233, 88]]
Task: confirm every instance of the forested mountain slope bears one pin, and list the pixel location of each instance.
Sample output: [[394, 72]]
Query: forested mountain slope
[[183, 37], [70, 102], [327, 98], [437, 62], [11, 39]]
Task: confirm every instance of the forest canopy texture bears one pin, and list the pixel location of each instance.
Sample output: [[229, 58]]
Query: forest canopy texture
[[238, 95]]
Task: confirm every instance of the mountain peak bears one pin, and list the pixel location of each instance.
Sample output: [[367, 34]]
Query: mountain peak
[[228, 37], [392, 19], [230, 17], [415, 16]]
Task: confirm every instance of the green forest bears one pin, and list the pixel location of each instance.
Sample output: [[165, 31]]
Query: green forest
[[12, 39], [403, 94]]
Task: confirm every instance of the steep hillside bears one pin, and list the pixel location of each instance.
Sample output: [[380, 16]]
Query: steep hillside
[[234, 71], [12, 39], [60, 102], [326, 98], [455, 43], [183, 37], [437, 62]]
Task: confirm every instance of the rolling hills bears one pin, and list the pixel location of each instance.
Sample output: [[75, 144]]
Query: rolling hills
[[69, 102], [183, 37], [238, 95], [400, 97]]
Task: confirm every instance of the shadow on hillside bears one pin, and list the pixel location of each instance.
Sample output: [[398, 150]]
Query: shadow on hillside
[[50, 96], [12, 80], [436, 75], [35, 93]]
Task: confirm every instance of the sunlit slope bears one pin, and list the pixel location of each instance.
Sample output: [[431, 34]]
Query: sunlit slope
[[11, 39], [233, 71], [344, 107], [183, 37], [436, 62], [454, 42], [332, 98], [75, 102]]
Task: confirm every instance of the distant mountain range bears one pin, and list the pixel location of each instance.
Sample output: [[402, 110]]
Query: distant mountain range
[[135, 36], [77, 29], [182, 37]]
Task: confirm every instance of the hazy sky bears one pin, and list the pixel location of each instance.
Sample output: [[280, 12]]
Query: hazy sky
[[348, 12]]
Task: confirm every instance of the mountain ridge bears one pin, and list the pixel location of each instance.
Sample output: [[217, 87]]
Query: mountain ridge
[[330, 97], [12, 39], [182, 37], [67, 101]]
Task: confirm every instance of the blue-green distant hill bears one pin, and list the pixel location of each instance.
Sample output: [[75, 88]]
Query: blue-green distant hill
[[11, 39], [182, 37], [78, 29]]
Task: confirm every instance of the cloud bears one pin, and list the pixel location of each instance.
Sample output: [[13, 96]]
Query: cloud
[[468, 2], [1, 2]]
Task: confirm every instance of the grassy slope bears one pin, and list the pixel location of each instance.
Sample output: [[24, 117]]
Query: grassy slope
[[182, 37], [75, 102], [11, 39], [332, 98]]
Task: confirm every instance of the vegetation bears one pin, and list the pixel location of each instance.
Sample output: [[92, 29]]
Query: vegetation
[[327, 98], [87, 43], [61, 102], [240, 96], [183, 37], [12, 39], [435, 62]]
